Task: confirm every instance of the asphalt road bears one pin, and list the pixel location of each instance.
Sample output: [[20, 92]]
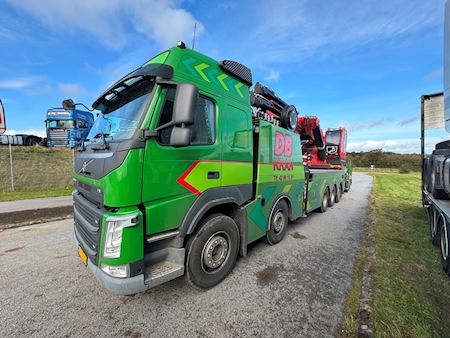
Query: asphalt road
[[295, 288]]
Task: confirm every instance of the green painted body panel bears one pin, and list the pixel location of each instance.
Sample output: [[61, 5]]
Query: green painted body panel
[[321, 179], [166, 201], [132, 248], [122, 186], [160, 58], [275, 181]]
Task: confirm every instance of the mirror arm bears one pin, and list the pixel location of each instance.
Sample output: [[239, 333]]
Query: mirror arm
[[150, 133]]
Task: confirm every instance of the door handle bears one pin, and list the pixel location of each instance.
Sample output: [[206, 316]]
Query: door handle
[[213, 175]]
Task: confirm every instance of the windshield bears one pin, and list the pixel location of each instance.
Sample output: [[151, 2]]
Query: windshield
[[334, 137], [121, 114], [60, 124]]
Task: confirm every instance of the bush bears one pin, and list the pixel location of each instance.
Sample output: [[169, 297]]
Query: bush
[[404, 168]]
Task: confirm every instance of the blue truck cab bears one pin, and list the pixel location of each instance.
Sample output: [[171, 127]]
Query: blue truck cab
[[67, 128]]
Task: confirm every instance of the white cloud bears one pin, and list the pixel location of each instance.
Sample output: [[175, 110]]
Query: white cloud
[[108, 20], [41, 132], [403, 146], [71, 89], [396, 146], [295, 29], [272, 76], [18, 82]]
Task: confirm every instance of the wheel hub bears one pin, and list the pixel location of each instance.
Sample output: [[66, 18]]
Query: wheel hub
[[278, 221], [215, 252]]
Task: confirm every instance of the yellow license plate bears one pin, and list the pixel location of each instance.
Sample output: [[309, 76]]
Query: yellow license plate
[[82, 256]]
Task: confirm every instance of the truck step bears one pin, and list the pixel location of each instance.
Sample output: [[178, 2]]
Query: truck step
[[164, 265], [162, 272]]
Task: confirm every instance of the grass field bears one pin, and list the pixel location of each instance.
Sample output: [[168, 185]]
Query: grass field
[[411, 292], [38, 172]]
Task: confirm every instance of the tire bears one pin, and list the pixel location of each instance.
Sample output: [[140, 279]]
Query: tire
[[289, 117], [218, 235], [433, 221], [444, 232], [332, 198], [325, 201], [278, 223], [338, 194], [349, 184]]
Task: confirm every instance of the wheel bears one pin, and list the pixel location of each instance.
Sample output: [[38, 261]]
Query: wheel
[[278, 223], [338, 196], [212, 251], [289, 117], [332, 198], [325, 201], [434, 221], [433, 218], [444, 244], [349, 184]]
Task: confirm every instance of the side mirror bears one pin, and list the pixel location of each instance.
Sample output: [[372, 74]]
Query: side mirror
[[180, 137], [185, 104], [68, 104]]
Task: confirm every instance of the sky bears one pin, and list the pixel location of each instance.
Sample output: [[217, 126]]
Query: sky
[[362, 64]]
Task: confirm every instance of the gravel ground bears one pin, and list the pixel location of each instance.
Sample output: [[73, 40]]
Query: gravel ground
[[295, 288]]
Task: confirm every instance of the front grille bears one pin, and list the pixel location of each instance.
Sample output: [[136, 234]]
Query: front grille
[[88, 221], [58, 137]]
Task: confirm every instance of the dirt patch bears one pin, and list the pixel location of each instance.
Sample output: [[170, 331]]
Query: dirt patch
[[297, 235], [129, 333], [265, 276], [27, 217], [15, 249]]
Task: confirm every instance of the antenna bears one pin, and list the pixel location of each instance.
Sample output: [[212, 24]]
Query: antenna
[[193, 38]]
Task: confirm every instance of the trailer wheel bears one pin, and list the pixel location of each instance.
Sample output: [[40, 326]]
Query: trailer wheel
[[434, 220], [349, 184], [278, 223], [444, 244], [338, 196], [212, 251], [332, 199], [325, 200]]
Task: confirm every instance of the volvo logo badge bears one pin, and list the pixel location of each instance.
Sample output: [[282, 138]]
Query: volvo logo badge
[[84, 166]]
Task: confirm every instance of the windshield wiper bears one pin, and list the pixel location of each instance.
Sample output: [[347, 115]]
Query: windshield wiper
[[96, 145]]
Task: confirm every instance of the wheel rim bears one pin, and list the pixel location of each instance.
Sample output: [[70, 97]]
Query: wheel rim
[[444, 240], [278, 222], [325, 200], [215, 252], [333, 196], [432, 222]]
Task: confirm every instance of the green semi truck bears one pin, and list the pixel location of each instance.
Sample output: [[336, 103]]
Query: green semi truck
[[179, 173]]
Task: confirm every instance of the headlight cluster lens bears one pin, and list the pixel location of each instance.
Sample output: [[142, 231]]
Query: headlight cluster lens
[[120, 271], [114, 230]]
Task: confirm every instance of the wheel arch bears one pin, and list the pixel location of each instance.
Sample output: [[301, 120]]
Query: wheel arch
[[282, 197], [211, 202]]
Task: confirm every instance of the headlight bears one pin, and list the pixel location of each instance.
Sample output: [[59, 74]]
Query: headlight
[[114, 229], [120, 271]]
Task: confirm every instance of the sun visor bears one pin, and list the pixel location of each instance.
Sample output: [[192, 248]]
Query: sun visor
[[150, 70]]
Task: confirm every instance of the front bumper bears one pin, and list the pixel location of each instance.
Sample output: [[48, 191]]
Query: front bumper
[[119, 286]]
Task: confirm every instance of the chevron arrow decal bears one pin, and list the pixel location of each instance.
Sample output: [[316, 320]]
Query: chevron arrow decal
[[238, 88], [199, 68], [221, 79]]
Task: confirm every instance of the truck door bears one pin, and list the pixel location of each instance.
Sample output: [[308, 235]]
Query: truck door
[[174, 177]]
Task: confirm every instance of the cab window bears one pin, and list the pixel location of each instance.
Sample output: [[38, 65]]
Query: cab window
[[203, 129]]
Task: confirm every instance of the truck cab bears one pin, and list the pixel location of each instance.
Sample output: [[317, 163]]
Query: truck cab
[[67, 128], [336, 145]]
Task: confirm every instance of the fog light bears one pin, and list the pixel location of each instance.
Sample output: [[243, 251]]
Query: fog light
[[119, 271]]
